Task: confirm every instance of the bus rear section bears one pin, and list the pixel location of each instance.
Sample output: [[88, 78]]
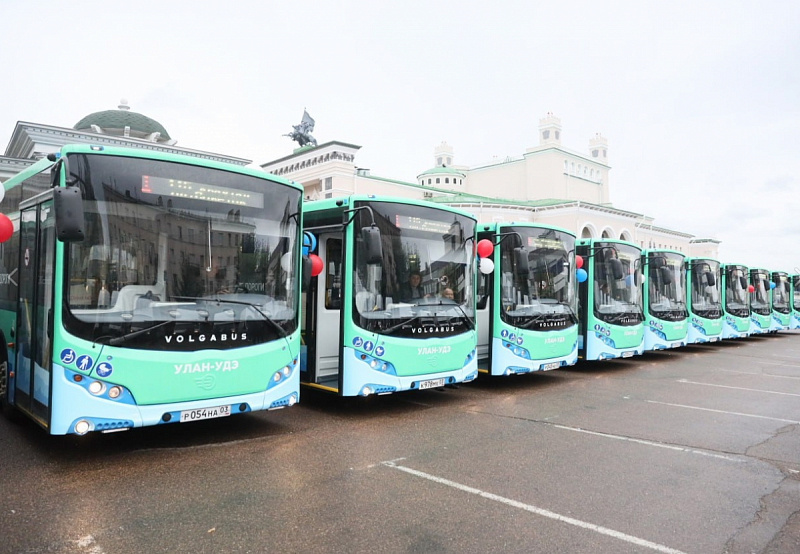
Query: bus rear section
[[527, 306], [176, 301], [781, 301], [760, 302], [795, 320], [610, 300], [393, 309], [703, 298], [664, 299], [736, 301]]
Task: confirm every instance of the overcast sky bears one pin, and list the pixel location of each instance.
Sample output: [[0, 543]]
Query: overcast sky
[[700, 101]]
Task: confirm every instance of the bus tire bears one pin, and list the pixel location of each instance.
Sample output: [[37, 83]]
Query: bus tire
[[9, 411]]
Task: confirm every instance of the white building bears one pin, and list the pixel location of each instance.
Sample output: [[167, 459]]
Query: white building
[[548, 184]]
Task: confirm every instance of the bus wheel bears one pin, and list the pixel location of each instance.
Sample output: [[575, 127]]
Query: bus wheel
[[8, 410]]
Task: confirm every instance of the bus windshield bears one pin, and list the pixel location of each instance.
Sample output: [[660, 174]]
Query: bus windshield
[[796, 285], [737, 300], [423, 287], [706, 289], [759, 298], [617, 275], [780, 294], [666, 278], [180, 257], [536, 276]]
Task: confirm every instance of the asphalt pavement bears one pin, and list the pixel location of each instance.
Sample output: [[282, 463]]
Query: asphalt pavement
[[689, 451]]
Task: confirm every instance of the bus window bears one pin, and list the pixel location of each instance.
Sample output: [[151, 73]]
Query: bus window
[[333, 274]]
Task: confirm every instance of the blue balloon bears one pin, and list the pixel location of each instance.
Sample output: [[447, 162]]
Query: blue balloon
[[581, 275], [310, 241], [771, 285]]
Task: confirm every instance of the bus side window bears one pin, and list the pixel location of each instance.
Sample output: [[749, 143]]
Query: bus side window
[[333, 274]]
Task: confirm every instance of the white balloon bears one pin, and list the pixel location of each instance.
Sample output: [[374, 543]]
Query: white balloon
[[486, 266], [2, 192], [286, 262]]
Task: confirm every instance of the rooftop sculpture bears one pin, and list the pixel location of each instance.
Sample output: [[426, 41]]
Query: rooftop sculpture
[[302, 132]]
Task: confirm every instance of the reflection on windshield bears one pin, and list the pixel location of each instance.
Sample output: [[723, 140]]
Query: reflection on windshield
[[737, 301], [536, 279], [152, 255], [759, 298], [796, 286], [666, 278], [424, 284], [617, 275], [705, 276], [780, 294]]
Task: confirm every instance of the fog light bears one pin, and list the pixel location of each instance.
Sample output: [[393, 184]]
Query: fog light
[[373, 364], [366, 391], [114, 392], [292, 400], [96, 387], [82, 427], [277, 377], [286, 370], [383, 367]]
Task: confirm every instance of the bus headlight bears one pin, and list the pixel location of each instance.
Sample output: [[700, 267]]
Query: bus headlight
[[286, 371], [277, 376], [82, 427], [114, 392], [292, 400], [96, 387], [373, 364]]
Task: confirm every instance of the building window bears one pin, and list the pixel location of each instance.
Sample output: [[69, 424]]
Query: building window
[[328, 183], [545, 135], [605, 153], [566, 166], [449, 161], [595, 153], [437, 180], [558, 135], [447, 180], [573, 168], [429, 181], [439, 160]]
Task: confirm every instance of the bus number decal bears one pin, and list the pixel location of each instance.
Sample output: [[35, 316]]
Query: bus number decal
[[227, 365]]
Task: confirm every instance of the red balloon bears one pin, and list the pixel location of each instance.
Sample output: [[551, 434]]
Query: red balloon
[[6, 228], [578, 262], [485, 248], [751, 288], [316, 264]]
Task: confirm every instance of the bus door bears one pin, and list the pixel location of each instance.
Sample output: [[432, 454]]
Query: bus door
[[323, 312], [35, 312]]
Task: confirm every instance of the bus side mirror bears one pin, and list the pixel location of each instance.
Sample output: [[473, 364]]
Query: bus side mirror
[[743, 282], [666, 275], [616, 268], [373, 249], [521, 260], [710, 279], [68, 203], [306, 273]]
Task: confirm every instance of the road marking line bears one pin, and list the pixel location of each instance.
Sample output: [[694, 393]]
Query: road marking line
[[778, 364], [648, 443], [737, 388], [760, 374], [723, 412], [538, 511]]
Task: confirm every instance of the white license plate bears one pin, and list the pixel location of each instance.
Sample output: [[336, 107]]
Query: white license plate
[[553, 365], [627, 354], [431, 384], [205, 413], [714, 339]]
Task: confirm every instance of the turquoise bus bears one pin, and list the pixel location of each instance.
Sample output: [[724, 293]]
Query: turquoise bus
[[610, 300], [736, 301], [760, 302], [795, 321], [527, 307], [393, 309], [142, 288], [666, 319], [781, 301], [703, 299]]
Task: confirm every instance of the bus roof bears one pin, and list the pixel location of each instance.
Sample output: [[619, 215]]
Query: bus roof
[[591, 242], [494, 226], [647, 251]]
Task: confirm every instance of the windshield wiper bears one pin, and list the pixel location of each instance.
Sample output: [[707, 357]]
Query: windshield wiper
[[280, 330], [471, 324], [114, 341], [397, 326]]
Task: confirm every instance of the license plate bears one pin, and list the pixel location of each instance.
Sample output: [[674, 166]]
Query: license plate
[[714, 339], [205, 413], [431, 384], [553, 365], [627, 354]]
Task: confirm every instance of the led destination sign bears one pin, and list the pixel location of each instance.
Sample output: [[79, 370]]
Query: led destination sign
[[416, 223], [199, 191]]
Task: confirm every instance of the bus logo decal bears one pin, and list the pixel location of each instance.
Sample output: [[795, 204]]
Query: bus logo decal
[[67, 356], [104, 369], [84, 362]]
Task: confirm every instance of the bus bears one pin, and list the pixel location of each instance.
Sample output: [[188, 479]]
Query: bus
[[781, 301], [610, 300], [703, 299], [393, 308], [664, 300], [795, 321], [145, 288], [760, 302], [527, 316], [736, 301]]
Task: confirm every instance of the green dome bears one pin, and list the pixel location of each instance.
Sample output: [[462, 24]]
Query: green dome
[[119, 119], [441, 170]]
